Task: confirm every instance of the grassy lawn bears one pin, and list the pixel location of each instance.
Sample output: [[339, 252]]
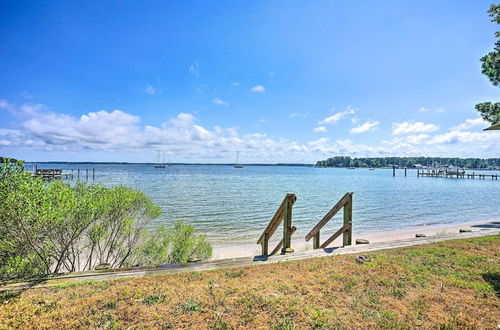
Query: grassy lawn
[[454, 284]]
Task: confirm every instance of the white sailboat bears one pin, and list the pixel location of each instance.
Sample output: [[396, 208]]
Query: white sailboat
[[158, 164], [238, 165]]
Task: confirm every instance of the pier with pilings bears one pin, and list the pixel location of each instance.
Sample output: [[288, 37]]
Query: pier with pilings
[[458, 174], [58, 174]]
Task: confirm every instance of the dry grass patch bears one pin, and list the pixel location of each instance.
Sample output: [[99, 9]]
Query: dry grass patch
[[454, 284]]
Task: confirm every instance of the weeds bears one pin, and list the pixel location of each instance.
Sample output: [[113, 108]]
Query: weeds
[[190, 305], [155, 299]]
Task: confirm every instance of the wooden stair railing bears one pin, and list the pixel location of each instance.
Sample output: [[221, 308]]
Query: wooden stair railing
[[346, 203], [284, 213]]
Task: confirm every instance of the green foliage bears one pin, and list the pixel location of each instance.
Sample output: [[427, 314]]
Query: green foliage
[[189, 305], [155, 299], [343, 161], [494, 12], [490, 64], [53, 227], [5, 159], [186, 245], [489, 111]]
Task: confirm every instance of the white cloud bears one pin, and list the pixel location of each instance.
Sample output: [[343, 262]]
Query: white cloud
[[469, 123], [218, 101], [424, 109], [367, 126], [258, 89], [320, 129], [463, 137], [194, 69], [120, 131], [337, 116], [149, 89], [298, 114], [4, 105], [183, 120], [416, 139], [182, 135], [319, 142], [412, 127]]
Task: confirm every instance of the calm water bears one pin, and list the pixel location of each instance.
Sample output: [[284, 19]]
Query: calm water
[[233, 206]]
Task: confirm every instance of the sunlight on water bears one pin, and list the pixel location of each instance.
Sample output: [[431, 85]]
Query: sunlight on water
[[233, 206]]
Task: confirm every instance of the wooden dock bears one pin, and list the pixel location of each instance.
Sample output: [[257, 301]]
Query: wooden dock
[[58, 174], [52, 174], [458, 174]]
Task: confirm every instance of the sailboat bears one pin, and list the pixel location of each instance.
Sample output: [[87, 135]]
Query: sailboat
[[158, 164], [238, 165]]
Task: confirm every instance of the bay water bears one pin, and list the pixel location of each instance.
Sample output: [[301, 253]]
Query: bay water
[[232, 206]]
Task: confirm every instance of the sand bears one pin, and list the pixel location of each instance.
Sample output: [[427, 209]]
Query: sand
[[249, 250]]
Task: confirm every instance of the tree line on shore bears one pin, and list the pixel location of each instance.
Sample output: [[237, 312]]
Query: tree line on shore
[[54, 227], [409, 162]]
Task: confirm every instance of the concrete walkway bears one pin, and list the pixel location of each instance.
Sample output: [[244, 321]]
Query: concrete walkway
[[236, 262]]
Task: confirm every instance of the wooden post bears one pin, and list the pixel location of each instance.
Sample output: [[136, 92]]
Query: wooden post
[[78, 173], [287, 226], [265, 244], [93, 174], [418, 173], [316, 241], [347, 236], [36, 167], [86, 174], [405, 171], [393, 170]]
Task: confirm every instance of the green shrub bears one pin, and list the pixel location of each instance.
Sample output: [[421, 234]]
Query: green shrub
[[186, 245], [53, 227]]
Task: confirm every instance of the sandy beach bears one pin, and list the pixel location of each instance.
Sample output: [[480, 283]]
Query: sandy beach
[[248, 250]]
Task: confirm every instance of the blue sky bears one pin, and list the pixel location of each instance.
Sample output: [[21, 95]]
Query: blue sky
[[280, 81]]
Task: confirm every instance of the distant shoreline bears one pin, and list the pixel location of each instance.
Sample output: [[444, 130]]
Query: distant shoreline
[[251, 164], [204, 164]]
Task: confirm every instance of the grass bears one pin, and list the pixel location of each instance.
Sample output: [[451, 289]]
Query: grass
[[449, 285]]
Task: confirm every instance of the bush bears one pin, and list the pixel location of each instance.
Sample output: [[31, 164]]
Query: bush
[[54, 227], [186, 245]]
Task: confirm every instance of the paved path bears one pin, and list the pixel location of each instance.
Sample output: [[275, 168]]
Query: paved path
[[243, 261]]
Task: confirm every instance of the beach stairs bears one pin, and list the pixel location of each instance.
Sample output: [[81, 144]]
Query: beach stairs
[[346, 203], [284, 215]]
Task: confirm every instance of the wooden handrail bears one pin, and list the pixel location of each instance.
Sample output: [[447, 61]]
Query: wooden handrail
[[337, 234], [340, 204], [284, 212], [346, 203], [280, 244], [276, 219]]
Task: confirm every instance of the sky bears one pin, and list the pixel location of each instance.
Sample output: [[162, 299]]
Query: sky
[[278, 81]]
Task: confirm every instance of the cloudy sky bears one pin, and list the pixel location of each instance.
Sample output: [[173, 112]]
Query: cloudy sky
[[279, 81]]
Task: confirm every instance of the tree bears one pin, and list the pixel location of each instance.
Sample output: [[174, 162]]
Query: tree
[[491, 68]]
